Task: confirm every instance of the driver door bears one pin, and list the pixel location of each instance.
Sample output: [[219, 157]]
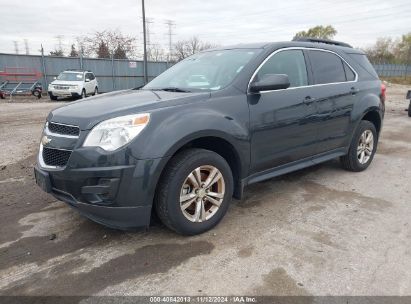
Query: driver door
[[282, 122]]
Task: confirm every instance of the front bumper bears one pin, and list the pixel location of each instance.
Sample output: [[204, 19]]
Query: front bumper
[[116, 196], [64, 93]]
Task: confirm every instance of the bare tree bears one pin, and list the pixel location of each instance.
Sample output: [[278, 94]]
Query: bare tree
[[156, 53], [185, 48], [102, 42]]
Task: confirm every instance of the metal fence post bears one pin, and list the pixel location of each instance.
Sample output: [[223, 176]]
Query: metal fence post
[[44, 68], [81, 61], [112, 72], [408, 62]]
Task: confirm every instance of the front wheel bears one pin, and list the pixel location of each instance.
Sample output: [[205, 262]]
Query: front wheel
[[409, 110], [95, 91], [194, 192], [83, 94], [362, 148]]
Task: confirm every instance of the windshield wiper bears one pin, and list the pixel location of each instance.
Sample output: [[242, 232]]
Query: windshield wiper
[[175, 89]]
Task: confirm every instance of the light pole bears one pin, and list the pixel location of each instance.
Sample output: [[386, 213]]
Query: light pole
[[145, 43]]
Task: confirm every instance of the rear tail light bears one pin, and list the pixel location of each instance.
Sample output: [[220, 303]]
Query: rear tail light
[[383, 91]]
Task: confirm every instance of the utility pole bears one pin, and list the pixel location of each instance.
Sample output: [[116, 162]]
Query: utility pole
[[170, 25], [145, 43], [16, 46], [26, 45], [60, 40]]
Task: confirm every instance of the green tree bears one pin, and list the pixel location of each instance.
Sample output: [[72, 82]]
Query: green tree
[[402, 49], [103, 51], [73, 52], [57, 53], [382, 51], [319, 31], [119, 53]]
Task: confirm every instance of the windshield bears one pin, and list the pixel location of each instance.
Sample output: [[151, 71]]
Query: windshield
[[70, 76], [211, 70]]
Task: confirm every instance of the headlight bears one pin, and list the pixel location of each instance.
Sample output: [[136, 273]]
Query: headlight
[[116, 132]]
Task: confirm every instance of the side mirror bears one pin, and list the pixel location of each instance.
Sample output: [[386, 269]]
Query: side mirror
[[270, 82], [87, 80]]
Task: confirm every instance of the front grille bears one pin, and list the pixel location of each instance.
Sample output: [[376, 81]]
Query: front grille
[[55, 157], [57, 87], [63, 129]]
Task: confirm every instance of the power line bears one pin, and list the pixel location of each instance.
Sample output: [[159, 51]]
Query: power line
[[170, 33], [16, 46]]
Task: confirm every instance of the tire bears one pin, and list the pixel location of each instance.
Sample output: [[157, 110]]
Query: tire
[[353, 161], [95, 91], [409, 110], [52, 97], [174, 186], [83, 94], [37, 93]]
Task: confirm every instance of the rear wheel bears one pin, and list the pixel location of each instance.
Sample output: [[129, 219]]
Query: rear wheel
[[362, 148], [194, 192], [37, 93]]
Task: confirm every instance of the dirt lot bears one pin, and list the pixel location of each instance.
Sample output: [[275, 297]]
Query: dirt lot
[[320, 231]]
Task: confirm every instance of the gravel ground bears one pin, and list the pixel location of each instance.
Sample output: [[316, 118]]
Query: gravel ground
[[319, 231]]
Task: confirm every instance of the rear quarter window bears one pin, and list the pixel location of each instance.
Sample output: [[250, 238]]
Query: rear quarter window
[[327, 67], [363, 62]]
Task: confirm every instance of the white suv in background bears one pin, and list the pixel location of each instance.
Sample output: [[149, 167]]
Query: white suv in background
[[73, 83]]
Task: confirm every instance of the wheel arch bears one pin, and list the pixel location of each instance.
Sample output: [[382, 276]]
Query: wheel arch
[[374, 117], [218, 144]]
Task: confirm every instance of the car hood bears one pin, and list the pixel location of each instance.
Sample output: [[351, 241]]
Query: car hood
[[86, 113]]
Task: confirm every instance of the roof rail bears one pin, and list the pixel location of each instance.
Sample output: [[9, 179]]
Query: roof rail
[[318, 40], [77, 70]]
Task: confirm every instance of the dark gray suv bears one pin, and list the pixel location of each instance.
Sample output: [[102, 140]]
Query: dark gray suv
[[190, 140]]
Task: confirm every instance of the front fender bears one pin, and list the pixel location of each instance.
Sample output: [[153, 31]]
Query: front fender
[[172, 128]]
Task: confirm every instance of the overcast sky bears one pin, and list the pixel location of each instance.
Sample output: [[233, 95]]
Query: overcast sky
[[224, 22]]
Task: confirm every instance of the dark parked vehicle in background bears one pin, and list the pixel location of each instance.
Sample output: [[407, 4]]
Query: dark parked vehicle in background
[[186, 143]]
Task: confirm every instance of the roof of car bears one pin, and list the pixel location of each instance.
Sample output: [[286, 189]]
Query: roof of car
[[283, 44]]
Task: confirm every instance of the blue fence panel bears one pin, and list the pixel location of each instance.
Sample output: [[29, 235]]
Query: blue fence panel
[[117, 74]]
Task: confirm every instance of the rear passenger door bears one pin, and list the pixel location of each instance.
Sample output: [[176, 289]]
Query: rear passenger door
[[335, 93]]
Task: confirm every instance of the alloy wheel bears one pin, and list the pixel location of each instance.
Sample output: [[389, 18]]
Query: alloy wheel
[[365, 147], [202, 193]]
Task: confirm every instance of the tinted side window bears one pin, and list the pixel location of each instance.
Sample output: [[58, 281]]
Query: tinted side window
[[289, 62], [363, 61], [349, 74], [327, 67], [92, 77]]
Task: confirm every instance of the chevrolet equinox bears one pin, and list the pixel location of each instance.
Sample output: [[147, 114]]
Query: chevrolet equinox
[[191, 139]]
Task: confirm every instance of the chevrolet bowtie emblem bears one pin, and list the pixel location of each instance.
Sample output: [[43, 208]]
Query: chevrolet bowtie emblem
[[45, 140]]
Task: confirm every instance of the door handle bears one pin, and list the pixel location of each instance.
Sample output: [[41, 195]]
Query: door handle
[[354, 90], [308, 100]]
